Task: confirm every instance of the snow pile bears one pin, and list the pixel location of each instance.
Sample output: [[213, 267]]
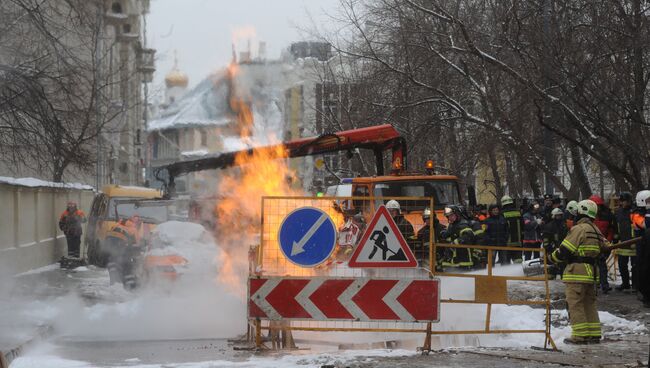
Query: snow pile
[[197, 153], [45, 359], [179, 233], [35, 183]]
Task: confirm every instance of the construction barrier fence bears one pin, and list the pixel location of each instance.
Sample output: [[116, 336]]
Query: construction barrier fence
[[270, 268]]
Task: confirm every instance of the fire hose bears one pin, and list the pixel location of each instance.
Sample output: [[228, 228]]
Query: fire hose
[[625, 244]]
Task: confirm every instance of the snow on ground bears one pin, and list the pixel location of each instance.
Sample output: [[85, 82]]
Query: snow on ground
[[201, 305], [47, 268], [48, 361], [43, 357], [33, 182], [197, 305]]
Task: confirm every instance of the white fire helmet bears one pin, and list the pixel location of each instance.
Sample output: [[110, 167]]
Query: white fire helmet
[[572, 207], [643, 199], [426, 213], [556, 211], [588, 207], [393, 205], [506, 199]]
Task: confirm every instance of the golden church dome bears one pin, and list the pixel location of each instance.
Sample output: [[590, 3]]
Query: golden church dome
[[176, 78]]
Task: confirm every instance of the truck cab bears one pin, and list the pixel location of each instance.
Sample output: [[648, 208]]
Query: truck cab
[[444, 189], [104, 215]]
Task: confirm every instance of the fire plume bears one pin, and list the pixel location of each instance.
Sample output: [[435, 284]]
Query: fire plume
[[256, 173], [240, 107]]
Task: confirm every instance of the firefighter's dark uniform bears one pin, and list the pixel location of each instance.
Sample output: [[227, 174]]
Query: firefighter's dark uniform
[[643, 259], [460, 232], [625, 230], [515, 226], [553, 233], [580, 250]]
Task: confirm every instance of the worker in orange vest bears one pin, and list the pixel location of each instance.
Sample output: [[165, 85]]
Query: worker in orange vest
[[70, 223], [123, 244]]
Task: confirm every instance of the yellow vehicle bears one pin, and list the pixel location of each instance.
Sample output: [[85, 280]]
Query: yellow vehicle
[[104, 215]]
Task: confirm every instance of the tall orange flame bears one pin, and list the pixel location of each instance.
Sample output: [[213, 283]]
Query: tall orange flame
[[264, 172], [240, 107]]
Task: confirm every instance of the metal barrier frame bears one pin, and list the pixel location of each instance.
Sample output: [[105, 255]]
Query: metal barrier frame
[[255, 326], [494, 296]]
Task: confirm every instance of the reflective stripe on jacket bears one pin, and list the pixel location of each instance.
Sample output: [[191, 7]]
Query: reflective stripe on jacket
[[585, 241], [515, 227]]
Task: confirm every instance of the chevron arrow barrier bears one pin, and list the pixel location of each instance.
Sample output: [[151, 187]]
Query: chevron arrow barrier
[[344, 299]]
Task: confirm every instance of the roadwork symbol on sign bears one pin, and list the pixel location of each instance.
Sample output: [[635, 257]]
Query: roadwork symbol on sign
[[351, 299], [307, 236], [382, 245]]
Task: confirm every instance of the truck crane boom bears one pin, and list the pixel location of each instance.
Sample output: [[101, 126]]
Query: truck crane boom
[[377, 138]]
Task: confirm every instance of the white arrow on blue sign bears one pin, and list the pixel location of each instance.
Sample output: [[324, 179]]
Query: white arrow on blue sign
[[307, 236]]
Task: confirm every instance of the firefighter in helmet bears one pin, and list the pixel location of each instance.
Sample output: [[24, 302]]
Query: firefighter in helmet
[[515, 226], [459, 231], [580, 251], [571, 213], [642, 249], [424, 235], [402, 223]]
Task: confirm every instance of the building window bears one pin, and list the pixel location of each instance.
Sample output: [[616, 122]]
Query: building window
[[126, 28], [154, 152], [116, 8], [137, 136], [204, 138]]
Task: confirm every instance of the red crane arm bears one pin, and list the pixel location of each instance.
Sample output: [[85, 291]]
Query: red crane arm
[[377, 138]]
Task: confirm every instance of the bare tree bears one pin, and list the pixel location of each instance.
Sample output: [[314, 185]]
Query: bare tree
[[481, 79], [51, 87]]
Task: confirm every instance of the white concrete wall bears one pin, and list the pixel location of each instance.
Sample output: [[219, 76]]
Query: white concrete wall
[[29, 233]]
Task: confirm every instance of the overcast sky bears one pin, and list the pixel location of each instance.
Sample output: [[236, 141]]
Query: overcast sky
[[202, 30]]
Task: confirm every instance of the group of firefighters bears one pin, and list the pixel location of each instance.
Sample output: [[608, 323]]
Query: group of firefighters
[[577, 239]]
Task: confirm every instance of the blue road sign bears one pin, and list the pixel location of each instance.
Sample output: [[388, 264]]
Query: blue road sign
[[307, 236]]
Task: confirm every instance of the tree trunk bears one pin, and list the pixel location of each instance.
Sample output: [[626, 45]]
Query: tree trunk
[[513, 188], [533, 180], [579, 172], [494, 166]]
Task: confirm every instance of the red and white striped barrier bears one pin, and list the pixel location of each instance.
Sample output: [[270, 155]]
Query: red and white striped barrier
[[351, 299]]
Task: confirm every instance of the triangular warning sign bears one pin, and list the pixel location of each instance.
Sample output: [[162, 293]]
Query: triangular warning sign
[[382, 245]]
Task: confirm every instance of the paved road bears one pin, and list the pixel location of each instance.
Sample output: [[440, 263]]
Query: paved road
[[99, 351]]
